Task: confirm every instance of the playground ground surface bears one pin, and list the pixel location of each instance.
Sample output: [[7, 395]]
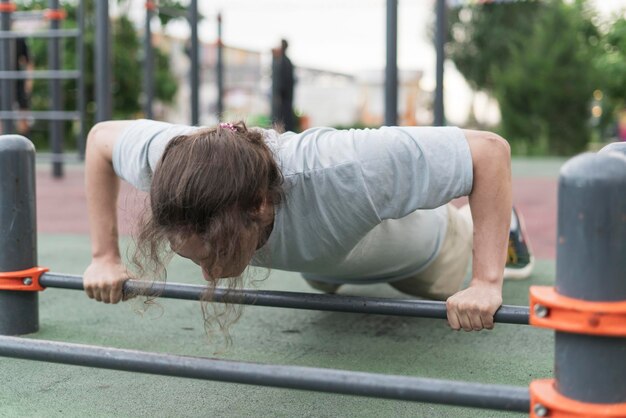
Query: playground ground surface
[[510, 354]]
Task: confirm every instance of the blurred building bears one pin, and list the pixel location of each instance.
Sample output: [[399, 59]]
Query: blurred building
[[244, 92], [322, 98], [326, 98], [414, 104]]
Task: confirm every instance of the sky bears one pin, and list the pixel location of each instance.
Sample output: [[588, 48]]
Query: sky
[[340, 35]]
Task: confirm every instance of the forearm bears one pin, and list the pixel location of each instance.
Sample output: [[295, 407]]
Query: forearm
[[490, 203], [102, 189]]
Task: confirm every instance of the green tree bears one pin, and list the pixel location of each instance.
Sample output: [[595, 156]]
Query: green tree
[[539, 68], [126, 70], [611, 65], [483, 37], [171, 10]]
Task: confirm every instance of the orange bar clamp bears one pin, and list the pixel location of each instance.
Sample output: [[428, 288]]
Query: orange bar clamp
[[55, 14], [546, 401], [24, 280], [548, 309], [7, 7]]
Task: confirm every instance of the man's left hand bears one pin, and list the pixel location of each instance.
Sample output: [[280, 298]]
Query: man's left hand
[[472, 309]]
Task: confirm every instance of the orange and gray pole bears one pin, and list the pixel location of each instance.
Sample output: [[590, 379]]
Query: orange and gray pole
[[19, 313], [619, 147], [591, 266], [587, 307]]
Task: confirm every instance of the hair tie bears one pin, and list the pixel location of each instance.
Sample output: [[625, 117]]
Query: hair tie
[[228, 125]]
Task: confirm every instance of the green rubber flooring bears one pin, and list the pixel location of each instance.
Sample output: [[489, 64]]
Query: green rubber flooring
[[510, 354], [534, 167]]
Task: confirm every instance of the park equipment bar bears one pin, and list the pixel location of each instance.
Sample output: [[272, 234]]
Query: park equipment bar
[[54, 86], [6, 64], [148, 64], [40, 114], [65, 157], [40, 75], [28, 15], [475, 395], [220, 69], [19, 311], [58, 33], [195, 63], [391, 70], [591, 266], [440, 43], [295, 300], [103, 62]]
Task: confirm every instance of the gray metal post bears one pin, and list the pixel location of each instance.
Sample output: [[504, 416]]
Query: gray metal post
[[440, 42], [614, 147], [54, 86], [6, 57], [103, 62], [391, 70], [591, 266], [80, 64], [148, 64], [19, 312], [195, 63], [220, 69]]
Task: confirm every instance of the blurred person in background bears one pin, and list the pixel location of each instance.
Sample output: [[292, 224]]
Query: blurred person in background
[[23, 88], [282, 88]]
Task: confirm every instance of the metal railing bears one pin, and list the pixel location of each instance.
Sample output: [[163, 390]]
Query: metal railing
[[54, 74]]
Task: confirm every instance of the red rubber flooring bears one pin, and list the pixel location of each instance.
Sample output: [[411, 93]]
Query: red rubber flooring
[[62, 207]]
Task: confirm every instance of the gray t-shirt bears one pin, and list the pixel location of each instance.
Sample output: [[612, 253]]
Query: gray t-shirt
[[350, 212]]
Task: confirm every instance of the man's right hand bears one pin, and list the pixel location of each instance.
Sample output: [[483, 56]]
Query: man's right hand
[[104, 280]]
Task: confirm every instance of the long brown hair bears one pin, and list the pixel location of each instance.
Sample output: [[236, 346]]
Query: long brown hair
[[210, 183]]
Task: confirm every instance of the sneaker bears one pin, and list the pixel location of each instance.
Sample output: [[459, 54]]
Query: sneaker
[[520, 262]]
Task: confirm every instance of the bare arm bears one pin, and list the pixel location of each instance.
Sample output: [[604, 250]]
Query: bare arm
[[104, 278], [490, 202]]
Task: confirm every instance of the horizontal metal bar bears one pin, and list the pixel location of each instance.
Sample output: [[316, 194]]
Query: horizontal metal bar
[[57, 33], [39, 75], [28, 15], [476, 395], [42, 115], [66, 157], [295, 300]]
